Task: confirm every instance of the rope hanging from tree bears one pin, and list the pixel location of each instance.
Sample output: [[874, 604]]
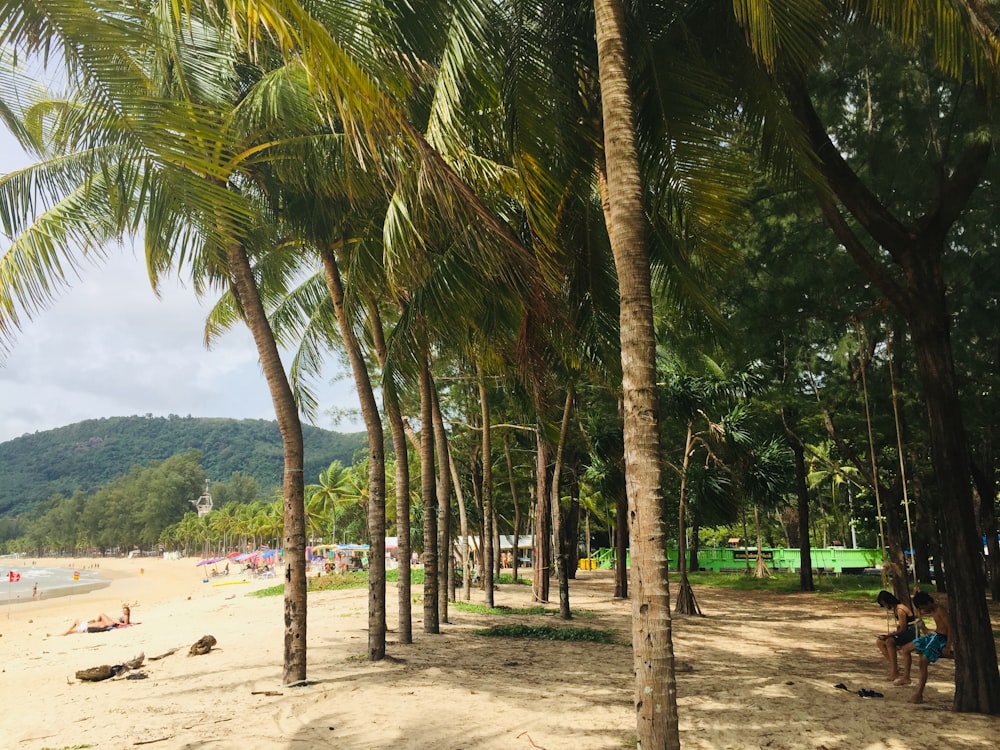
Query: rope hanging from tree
[[899, 450], [889, 622], [871, 449]]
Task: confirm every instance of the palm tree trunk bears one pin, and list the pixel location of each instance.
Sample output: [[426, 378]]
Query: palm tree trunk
[[488, 519], [516, 549], [376, 461], [428, 493], [393, 412], [559, 548], [293, 487], [652, 644], [463, 522], [686, 602], [621, 541], [445, 559], [540, 548]]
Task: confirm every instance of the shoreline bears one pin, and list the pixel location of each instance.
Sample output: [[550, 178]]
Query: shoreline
[[140, 582], [54, 592]]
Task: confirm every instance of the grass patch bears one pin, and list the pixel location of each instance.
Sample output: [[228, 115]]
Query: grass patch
[[482, 609], [277, 590], [416, 576], [337, 582], [508, 578], [846, 587], [550, 633]]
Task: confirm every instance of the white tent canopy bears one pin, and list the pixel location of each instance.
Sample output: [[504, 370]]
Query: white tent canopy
[[525, 542]]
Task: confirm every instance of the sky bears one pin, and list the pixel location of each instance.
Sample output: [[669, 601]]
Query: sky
[[108, 347]]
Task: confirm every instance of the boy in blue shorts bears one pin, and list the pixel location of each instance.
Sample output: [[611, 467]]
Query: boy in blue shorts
[[929, 648]]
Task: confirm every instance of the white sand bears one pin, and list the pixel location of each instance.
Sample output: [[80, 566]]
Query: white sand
[[764, 669]]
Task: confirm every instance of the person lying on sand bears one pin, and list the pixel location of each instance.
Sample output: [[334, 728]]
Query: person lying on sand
[[929, 648], [100, 623]]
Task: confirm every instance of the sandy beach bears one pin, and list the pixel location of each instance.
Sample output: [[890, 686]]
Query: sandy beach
[[763, 670]]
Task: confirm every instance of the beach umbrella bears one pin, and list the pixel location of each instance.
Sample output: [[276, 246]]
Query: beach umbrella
[[208, 561]]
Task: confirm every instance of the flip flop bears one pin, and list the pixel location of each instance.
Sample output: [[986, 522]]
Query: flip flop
[[866, 693], [841, 686]]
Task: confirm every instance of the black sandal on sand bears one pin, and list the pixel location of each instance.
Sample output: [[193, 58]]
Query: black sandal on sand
[[866, 693]]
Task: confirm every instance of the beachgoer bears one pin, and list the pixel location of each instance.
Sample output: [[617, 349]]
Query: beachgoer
[[905, 632], [100, 623], [929, 648], [34, 591]]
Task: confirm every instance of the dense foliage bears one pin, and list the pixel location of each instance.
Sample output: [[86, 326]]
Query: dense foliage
[[85, 456]]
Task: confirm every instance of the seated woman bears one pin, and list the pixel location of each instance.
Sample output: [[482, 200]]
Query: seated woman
[[906, 630], [100, 623]]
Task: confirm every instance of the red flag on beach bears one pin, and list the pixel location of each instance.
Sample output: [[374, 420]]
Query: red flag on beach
[[14, 577]]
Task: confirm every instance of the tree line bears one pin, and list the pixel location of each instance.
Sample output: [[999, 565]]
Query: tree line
[[541, 226], [87, 455], [151, 509]]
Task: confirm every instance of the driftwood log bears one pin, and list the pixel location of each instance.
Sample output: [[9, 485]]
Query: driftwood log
[[107, 671], [202, 646]]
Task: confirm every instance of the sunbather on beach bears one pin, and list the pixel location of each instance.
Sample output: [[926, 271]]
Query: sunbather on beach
[[100, 623]]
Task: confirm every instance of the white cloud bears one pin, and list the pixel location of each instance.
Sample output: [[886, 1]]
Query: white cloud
[[108, 347]]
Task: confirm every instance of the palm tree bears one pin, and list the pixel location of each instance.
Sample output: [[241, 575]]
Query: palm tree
[[827, 472], [189, 192], [652, 643], [323, 499]]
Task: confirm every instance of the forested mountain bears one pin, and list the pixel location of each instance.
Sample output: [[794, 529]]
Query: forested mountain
[[87, 455]]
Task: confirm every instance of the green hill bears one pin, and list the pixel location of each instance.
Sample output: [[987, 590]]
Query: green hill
[[87, 455]]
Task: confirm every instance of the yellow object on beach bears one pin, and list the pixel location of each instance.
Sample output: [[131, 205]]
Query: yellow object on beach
[[229, 583]]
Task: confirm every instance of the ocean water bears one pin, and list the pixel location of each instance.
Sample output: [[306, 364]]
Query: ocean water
[[51, 582]]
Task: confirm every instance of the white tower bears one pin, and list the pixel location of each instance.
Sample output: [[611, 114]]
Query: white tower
[[204, 503]]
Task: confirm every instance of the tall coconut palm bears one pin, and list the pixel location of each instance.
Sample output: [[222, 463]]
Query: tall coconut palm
[[323, 499], [655, 689], [114, 169]]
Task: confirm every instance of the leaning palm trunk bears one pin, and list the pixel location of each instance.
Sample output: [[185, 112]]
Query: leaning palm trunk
[[445, 568], [287, 413], [463, 523], [559, 554], [376, 462], [488, 519], [686, 603], [653, 656], [394, 414], [541, 547], [428, 494]]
